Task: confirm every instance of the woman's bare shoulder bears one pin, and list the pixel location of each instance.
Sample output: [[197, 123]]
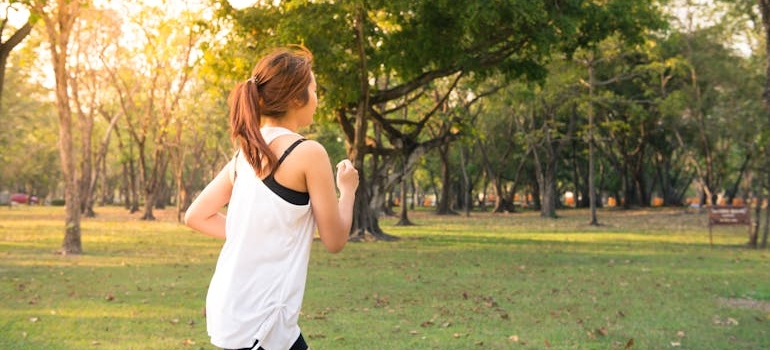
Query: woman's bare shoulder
[[312, 148], [313, 157]]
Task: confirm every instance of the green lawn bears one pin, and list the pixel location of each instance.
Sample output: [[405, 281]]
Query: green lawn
[[641, 280]]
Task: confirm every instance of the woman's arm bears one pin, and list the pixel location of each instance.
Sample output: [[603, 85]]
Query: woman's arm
[[333, 216], [204, 213]]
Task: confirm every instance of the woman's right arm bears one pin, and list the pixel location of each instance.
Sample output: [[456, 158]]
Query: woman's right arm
[[204, 213]]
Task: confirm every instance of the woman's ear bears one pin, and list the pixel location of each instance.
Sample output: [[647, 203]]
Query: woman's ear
[[297, 103]]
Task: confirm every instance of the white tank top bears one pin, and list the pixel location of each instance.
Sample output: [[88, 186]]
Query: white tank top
[[257, 288]]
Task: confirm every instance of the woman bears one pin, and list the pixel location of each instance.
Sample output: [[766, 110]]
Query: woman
[[279, 188]]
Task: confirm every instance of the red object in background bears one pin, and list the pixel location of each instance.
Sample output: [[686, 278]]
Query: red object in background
[[23, 198]]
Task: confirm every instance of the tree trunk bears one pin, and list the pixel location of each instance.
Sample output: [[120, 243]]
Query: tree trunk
[[673, 186], [640, 191], [754, 226], [153, 184], [59, 26], [98, 175], [733, 191], [764, 7], [406, 178], [403, 195], [548, 209], [183, 198], [763, 245], [379, 184], [501, 204], [466, 185], [129, 179], [545, 171], [133, 187], [149, 204], [365, 220], [378, 193], [87, 172], [443, 206], [496, 180], [547, 168], [536, 203], [585, 197], [591, 180], [576, 175]]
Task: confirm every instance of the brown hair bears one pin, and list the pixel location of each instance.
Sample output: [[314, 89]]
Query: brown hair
[[278, 81]]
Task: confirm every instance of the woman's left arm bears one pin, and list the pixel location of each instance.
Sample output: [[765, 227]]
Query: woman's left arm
[[204, 213]]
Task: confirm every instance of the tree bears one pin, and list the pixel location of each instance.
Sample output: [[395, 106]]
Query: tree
[[663, 101], [59, 19], [501, 139], [548, 150], [151, 81], [608, 65], [94, 38], [717, 114]]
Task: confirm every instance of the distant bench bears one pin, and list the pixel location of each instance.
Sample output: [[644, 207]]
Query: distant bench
[[728, 215]]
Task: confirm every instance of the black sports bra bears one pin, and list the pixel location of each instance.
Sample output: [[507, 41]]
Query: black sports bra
[[287, 194]]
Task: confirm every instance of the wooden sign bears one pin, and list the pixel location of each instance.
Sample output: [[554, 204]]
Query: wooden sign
[[728, 215]]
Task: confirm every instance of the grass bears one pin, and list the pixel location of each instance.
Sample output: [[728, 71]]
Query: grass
[[644, 279]]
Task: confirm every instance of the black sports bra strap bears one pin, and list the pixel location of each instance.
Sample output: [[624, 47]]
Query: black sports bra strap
[[287, 151]]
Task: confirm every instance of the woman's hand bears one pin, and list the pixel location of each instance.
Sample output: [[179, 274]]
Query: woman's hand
[[347, 177]]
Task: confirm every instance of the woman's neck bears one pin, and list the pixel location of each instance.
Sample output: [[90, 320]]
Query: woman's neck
[[278, 125]]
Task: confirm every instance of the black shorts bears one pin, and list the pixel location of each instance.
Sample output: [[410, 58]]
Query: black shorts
[[299, 344]]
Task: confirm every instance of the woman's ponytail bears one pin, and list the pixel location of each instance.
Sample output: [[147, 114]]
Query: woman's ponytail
[[245, 124]]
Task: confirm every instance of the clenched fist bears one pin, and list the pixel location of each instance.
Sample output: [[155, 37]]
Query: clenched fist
[[347, 177]]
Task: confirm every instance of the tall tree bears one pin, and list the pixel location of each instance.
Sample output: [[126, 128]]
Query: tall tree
[[662, 102], [716, 79], [161, 67], [59, 18], [94, 38]]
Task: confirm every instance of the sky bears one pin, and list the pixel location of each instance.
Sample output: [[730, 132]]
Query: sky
[[241, 4], [17, 18]]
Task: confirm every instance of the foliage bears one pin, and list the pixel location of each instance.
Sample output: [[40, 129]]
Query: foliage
[[28, 157]]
